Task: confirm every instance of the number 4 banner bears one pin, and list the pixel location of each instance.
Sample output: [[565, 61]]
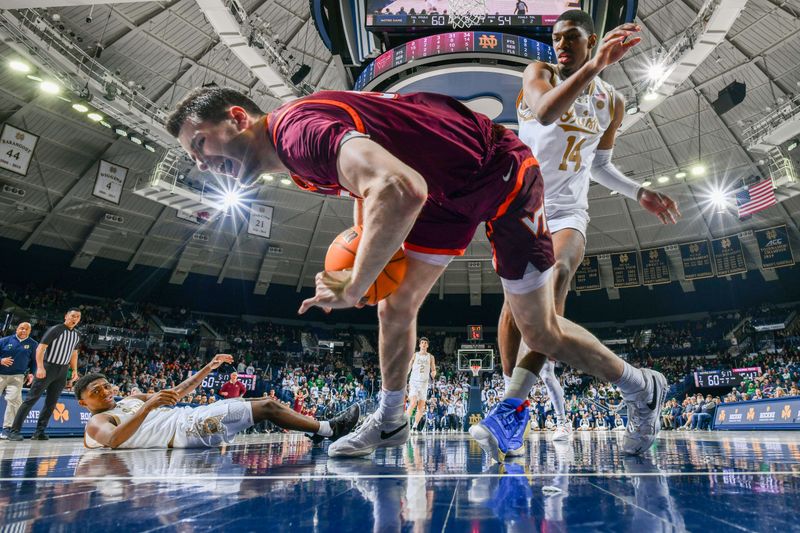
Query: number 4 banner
[[16, 149], [260, 220], [110, 181]]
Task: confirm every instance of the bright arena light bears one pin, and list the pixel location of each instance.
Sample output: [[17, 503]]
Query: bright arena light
[[50, 87], [80, 108], [698, 170], [663, 179], [680, 175], [651, 96], [647, 183], [231, 199], [19, 66], [94, 116], [286, 181], [719, 200], [656, 71], [267, 177]]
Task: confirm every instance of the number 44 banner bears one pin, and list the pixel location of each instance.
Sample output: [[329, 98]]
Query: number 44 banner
[[16, 149], [260, 220]]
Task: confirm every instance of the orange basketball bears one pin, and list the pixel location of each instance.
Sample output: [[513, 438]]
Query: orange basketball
[[342, 256]]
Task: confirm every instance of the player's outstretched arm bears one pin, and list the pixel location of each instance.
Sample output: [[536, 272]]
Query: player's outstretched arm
[[195, 380], [393, 194], [102, 429], [433, 367]]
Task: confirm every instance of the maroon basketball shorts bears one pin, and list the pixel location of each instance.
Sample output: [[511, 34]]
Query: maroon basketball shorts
[[522, 250]]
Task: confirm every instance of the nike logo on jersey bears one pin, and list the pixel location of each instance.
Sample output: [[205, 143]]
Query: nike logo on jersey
[[390, 434], [508, 174]]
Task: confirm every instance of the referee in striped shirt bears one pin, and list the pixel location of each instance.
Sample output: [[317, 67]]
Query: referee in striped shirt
[[56, 353]]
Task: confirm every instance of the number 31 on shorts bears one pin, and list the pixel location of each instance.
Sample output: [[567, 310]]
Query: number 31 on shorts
[[537, 223]]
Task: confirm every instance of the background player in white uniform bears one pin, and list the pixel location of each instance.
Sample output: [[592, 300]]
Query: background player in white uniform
[[148, 421], [569, 118], [423, 367]]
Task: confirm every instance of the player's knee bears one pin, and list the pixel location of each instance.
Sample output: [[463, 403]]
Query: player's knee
[[545, 337], [396, 310], [562, 274]]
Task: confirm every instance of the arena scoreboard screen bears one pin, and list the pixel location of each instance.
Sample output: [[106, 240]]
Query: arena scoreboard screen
[[404, 14], [712, 379], [475, 333]]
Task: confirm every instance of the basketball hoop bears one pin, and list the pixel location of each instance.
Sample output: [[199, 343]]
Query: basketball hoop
[[476, 370], [467, 13]]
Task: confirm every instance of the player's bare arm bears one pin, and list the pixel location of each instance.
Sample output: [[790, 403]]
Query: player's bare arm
[[103, 429], [604, 173], [549, 102], [195, 380], [433, 367], [393, 194]]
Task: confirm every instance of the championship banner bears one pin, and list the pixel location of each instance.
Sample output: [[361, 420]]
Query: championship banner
[[775, 413], [587, 277], [774, 247], [728, 256], [110, 181], [16, 149], [215, 380], [696, 259], [655, 266], [625, 267], [68, 418], [260, 223], [198, 217]]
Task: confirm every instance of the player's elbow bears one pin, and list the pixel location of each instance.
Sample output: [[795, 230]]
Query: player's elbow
[[545, 116]]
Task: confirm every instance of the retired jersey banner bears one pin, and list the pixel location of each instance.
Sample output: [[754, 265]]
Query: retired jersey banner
[[587, 277], [260, 223], [728, 256], [655, 266], [625, 267], [774, 247], [16, 149], [775, 413], [696, 258], [110, 181]]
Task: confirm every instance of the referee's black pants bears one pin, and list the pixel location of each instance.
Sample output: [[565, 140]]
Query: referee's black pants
[[53, 383]]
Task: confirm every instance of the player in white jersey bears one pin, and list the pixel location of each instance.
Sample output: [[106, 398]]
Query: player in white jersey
[[569, 117], [423, 367], [150, 421]]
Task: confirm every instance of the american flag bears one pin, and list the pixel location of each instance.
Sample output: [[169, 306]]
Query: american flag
[[755, 198]]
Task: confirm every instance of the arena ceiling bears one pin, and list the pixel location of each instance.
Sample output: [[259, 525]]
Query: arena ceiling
[[169, 48]]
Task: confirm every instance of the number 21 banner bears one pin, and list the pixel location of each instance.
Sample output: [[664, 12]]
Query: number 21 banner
[[260, 223], [16, 149]]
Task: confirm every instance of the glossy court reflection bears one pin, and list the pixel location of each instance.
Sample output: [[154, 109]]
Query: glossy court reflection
[[703, 481]]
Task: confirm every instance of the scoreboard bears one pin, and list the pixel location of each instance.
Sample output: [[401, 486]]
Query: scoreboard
[[712, 379]]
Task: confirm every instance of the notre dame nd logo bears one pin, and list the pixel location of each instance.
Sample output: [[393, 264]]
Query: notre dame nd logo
[[487, 41], [474, 418], [726, 243], [586, 262], [654, 254], [694, 248], [20, 136], [772, 234], [786, 414], [623, 258], [60, 413]]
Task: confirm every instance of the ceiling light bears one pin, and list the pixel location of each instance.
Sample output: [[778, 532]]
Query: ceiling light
[[613, 193], [680, 175], [656, 71], [286, 181], [94, 116], [632, 109], [19, 66], [698, 170], [651, 96], [647, 183], [792, 145], [149, 147], [231, 198], [119, 130], [135, 139], [50, 87], [267, 177], [719, 200], [663, 179], [80, 108]]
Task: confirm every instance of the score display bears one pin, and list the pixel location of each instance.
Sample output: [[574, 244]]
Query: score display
[[434, 13], [475, 332], [454, 43], [712, 379]]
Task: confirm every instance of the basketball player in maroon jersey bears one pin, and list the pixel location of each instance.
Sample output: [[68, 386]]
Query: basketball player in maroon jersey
[[429, 171]]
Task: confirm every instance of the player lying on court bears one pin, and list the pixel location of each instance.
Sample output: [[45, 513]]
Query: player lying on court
[[569, 118], [151, 421], [429, 171]]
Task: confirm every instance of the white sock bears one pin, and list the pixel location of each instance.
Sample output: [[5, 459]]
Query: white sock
[[507, 381], [632, 380], [554, 389], [392, 405], [325, 429], [520, 384]]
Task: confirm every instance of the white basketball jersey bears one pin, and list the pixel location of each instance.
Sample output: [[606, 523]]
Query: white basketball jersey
[[156, 431], [421, 368], [565, 149]]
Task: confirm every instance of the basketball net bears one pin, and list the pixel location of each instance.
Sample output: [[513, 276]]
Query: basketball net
[[467, 13], [476, 370]]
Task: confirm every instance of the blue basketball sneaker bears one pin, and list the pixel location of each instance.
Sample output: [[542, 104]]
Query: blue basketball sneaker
[[503, 428]]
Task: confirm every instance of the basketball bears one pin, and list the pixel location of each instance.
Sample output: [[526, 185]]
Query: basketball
[[342, 255]]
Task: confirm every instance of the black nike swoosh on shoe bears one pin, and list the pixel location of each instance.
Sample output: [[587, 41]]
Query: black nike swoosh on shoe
[[389, 435], [652, 403]]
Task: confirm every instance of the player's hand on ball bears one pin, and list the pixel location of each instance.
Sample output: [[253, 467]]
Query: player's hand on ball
[[616, 44], [661, 205], [334, 291], [219, 359]]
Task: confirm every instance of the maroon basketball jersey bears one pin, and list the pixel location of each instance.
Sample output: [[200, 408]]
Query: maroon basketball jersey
[[436, 135]]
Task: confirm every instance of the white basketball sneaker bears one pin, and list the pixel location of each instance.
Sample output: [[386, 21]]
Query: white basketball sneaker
[[563, 432], [644, 410], [371, 434]]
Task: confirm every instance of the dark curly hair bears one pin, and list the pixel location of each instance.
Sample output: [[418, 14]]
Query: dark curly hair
[[84, 382], [581, 18], [208, 103]]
